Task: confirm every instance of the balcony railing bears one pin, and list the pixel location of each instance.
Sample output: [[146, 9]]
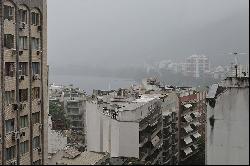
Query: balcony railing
[[157, 158], [144, 154], [144, 140], [156, 131]]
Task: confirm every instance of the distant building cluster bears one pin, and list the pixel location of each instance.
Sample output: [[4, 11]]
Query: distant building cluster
[[197, 66]]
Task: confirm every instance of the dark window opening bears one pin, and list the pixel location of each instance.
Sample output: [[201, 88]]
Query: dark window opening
[[35, 68], [9, 41], [8, 12], [35, 18], [23, 68], [10, 69], [23, 95]]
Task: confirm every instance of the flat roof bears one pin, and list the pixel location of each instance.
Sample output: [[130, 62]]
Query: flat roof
[[85, 158]]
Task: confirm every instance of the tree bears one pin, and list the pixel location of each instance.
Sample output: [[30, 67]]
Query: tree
[[57, 113]]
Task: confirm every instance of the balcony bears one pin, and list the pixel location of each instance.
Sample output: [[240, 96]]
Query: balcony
[[144, 154], [143, 140], [73, 106], [143, 125], [156, 131], [156, 146], [157, 158], [188, 152]]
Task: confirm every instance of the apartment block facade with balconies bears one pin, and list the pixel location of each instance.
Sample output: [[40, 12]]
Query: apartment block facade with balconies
[[23, 82]]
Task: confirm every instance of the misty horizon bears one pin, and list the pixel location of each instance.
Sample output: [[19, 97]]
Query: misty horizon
[[116, 34]]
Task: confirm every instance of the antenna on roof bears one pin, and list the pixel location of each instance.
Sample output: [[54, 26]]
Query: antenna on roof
[[236, 54]]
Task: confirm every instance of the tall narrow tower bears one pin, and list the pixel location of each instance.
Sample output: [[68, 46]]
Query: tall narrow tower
[[23, 82]]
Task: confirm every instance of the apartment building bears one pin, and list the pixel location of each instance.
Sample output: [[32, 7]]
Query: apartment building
[[72, 102], [125, 125], [23, 82], [197, 65], [74, 106], [191, 121], [227, 129], [170, 154]]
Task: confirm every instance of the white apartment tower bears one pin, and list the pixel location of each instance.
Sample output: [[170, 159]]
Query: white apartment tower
[[196, 65]]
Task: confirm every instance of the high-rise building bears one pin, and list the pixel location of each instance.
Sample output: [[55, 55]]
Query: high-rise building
[[170, 155], [23, 82], [196, 65], [191, 122], [227, 129]]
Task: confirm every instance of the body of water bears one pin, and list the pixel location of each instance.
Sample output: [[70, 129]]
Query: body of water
[[88, 83]]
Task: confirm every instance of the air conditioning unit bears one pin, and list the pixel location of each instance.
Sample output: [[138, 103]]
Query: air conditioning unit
[[39, 102], [22, 25], [40, 126], [20, 52], [21, 77], [22, 106], [13, 136], [39, 28], [14, 107], [13, 52], [36, 77], [13, 163], [39, 150], [38, 52], [22, 134]]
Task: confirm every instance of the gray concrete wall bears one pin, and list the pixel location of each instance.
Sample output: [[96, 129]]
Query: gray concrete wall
[[228, 141]]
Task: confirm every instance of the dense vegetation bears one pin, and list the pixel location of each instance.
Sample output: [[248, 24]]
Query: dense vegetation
[[57, 114]]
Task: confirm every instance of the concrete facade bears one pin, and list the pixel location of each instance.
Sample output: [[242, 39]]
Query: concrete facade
[[23, 82], [227, 131], [170, 111], [125, 127]]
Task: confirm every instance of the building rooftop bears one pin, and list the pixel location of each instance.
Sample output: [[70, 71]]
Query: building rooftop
[[71, 156], [86, 158]]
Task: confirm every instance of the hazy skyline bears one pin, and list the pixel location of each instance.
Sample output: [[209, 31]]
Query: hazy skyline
[[128, 32]]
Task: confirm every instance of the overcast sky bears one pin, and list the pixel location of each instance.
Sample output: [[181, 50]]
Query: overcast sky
[[127, 32]]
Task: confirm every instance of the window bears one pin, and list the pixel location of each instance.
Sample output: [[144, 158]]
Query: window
[[35, 93], [10, 69], [35, 18], [23, 42], [36, 118], [35, 43], [36, 142], [10, 124], [10, 153], [23, 95], [24, 121], [8, 12], [23, 15], [23, 68], [35, 68], [9, 97], [24, 147], [9, 41]]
